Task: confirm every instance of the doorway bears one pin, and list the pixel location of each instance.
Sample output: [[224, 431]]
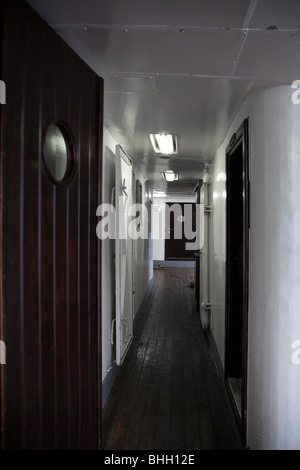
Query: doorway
[[177, 219], [237, 269], [123, 256]]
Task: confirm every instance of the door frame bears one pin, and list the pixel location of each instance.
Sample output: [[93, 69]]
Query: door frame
[[183, 239], [197, 191], [121, 318], [240, 138]]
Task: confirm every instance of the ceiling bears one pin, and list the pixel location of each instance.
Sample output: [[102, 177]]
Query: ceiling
[[184, 67]]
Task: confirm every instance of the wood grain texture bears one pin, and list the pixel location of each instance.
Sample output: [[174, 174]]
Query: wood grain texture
[[50, 248]]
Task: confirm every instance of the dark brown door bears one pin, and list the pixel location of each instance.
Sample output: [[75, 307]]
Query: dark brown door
[[237, 254], [197, 253], [50, 250], [177, 225]]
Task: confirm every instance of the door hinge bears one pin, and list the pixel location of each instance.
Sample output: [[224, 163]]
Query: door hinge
[[112, 331]]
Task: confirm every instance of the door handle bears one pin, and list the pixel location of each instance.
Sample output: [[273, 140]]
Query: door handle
[[124, 187]]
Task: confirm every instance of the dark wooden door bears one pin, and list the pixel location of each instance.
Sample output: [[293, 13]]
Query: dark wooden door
[[237, 277], [197, 253], [177, 224], [50, 250]]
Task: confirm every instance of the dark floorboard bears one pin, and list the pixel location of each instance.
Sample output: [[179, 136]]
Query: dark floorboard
[[167, 394]]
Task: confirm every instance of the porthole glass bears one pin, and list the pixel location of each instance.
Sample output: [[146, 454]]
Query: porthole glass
[[59, 152]]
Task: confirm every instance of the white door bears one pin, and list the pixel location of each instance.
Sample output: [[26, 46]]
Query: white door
[[124, 307]]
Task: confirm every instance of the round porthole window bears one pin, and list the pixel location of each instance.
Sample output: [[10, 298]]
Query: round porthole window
[[59, 152]]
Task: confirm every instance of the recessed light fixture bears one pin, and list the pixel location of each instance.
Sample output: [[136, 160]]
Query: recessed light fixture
[[170, 175], [165, 144]]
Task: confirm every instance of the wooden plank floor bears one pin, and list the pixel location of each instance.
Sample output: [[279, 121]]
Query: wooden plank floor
[[167, 395]]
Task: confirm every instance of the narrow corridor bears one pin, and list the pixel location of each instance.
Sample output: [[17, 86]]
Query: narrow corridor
[[168, 395]]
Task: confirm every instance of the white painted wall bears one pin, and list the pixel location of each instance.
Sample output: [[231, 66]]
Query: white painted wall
[[142, 250], [142, 259], [274, 381], [108, 271], [159, 223], [274, 304]]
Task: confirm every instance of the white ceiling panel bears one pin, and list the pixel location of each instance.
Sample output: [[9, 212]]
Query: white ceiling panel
[[156, 51], [205, 13], [271, 55], [198, 115], [119, 83], [282, 14]]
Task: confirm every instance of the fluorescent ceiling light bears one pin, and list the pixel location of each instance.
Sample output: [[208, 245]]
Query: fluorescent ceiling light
[[163, 143], [170, 176], [159, 193]]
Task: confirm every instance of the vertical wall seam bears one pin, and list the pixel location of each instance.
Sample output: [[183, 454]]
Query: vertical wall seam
[[78, 275], [68, 298], [40, 316], [54, 315], [89, 269], [21, 267], [68, 313]]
